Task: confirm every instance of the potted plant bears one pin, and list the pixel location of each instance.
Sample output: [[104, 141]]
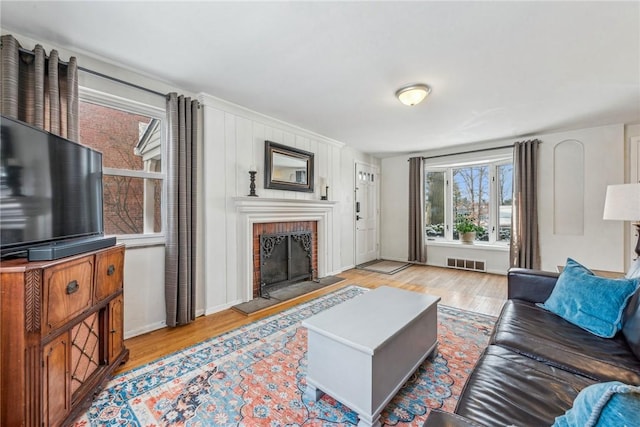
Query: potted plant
[[467, 228]]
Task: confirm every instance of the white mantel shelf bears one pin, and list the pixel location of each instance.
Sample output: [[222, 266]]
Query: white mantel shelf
[[254, 210], [248, 202]]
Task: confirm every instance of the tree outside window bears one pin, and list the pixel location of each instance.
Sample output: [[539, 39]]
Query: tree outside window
[[471, 198], [132, 182], [505, 200], [434, 204], [481, 192]]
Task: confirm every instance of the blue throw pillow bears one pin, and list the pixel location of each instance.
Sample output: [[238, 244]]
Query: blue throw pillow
[[591, 302], [611, 404]]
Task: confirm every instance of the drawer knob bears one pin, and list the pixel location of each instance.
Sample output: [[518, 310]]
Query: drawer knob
[[72, 287], [110, 270]]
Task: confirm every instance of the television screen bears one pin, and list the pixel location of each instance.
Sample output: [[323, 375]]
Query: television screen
[[50, 188]]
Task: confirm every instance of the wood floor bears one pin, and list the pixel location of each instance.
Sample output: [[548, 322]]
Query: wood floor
[[479, 292]]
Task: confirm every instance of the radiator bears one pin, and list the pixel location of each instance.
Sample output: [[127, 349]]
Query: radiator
[[467, 264]]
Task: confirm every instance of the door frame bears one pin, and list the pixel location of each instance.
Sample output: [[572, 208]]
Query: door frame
[[376, 170]]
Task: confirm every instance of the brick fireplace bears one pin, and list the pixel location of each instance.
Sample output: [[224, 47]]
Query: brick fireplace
[[258, 215], [282, 233]]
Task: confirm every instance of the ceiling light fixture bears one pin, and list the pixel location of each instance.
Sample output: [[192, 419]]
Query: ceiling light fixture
[[413, 94]]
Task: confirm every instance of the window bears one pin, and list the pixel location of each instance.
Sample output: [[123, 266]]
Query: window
[[130, 136], [471, 197], [434, 199], [481, 191], [504, 178]]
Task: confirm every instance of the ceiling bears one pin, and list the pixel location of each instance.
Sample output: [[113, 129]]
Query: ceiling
[[497, 69]]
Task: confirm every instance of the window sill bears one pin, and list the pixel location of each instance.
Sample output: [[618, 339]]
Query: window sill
[[141, 241], [498, 247]]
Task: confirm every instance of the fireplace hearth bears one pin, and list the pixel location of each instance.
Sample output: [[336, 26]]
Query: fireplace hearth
[[285, 258], [263, 215]]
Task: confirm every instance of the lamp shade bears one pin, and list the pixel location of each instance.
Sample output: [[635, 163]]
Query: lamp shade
[[622, 202], [414, 94]]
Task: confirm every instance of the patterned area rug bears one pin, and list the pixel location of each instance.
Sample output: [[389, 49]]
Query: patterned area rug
[[255, 376]]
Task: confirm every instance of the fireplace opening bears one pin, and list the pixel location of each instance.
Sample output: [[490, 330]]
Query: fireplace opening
[[285, 259]]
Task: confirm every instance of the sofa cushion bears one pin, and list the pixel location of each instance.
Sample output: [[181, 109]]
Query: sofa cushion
[[631, 328], [507, 388], [592, 302], [530, 285], [534, 332], [604, 404], [439, 418]]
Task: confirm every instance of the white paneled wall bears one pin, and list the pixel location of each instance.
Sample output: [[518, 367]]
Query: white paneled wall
[[568, 188], [233, 140], [570, 204], [143, 290], [596, 243]]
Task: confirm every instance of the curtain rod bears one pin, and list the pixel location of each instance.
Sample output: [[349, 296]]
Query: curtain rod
[[104, 76], [124, 82], [479, 150]]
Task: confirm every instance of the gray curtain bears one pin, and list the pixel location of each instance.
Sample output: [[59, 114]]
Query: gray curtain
[[39, 90], [525, 248], [417, 250], [180, 253]]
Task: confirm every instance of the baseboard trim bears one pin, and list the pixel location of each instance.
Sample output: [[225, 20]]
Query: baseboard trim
[[341, 270], [144, 329], [221, 307]]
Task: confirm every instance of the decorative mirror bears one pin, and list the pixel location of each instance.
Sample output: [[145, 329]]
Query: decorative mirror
[[287, 168]]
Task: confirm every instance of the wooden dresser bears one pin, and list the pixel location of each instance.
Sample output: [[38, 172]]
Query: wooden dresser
[[61, 330]]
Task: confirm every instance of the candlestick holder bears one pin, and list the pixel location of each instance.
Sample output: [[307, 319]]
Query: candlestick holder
[[252, 185], [326, 194]]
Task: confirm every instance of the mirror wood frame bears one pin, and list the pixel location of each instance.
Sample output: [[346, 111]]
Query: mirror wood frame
[[271, 179]]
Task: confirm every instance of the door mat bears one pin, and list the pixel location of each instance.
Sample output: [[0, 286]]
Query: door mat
[[384, 266], [286, 293]]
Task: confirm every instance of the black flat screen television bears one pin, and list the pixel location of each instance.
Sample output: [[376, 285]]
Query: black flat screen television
[[50, 189]]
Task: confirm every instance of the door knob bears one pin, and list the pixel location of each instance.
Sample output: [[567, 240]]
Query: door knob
[[358, 217]]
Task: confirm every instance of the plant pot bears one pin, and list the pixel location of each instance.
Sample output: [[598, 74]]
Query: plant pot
[[468, 238]]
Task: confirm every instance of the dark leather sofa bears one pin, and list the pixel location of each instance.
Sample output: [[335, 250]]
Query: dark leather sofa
[[537, 363]]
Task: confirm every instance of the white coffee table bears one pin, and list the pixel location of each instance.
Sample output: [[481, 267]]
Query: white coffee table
[[362, 351]]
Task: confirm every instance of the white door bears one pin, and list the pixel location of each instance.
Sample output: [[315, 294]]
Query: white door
[[366, 212]]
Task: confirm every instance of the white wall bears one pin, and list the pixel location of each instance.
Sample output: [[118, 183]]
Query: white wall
[[144, 307], [234, 139], [395, 217], [600, 246], [394, 208], [632, 170], [601, 243], [143, 290]]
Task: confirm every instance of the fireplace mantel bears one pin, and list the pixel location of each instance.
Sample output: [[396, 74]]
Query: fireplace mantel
[[252, 210], [252, 203]]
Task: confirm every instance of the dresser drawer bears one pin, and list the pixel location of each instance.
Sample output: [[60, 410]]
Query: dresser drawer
[[109, 272], [67, 291]]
